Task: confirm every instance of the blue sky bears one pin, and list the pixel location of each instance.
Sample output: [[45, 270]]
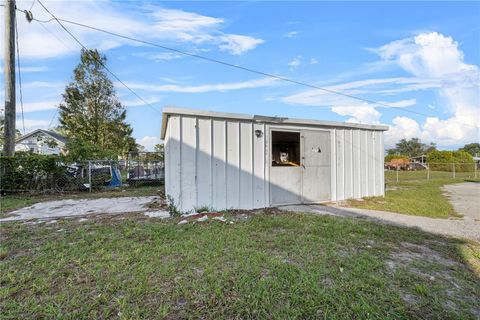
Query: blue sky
[[420, 57]]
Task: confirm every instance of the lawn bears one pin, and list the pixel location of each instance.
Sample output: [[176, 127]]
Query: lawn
[[265, 265], [414, 197], [20, 200]]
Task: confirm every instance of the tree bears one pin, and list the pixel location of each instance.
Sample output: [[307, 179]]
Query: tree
[[91, 116], [411, 148], [160, 148], [2, 125], [472, 148]]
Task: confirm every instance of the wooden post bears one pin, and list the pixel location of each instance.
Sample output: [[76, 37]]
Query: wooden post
[[9, 71], [453, 166]]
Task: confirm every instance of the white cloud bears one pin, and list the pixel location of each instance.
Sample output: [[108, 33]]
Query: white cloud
[[433, 55], [31, 124], [238, 44], [48, 40], [360, 111], [203, 88], [295, 62], [313, 61], [435, 62], [359, 114], [137, 102], [149, 142], [165, 56], [290, 34], [43, 85], [402, 127], [38, 106]]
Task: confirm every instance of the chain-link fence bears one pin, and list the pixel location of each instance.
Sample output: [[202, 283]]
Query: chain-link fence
[[40, 174], [145, 168], [427, 171]]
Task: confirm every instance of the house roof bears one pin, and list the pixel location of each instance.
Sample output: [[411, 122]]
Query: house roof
[[167, 111], [52, 134]]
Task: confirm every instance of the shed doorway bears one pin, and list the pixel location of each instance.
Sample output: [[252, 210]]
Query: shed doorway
[[300, 167]]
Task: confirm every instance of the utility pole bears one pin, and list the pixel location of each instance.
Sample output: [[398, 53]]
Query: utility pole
[[9, 67]]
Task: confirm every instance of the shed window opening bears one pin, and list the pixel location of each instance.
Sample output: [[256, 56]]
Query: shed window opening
[[285, 149]]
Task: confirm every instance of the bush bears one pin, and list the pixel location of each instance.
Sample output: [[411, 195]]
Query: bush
[[443, 160], [390, 157], [33, 172]]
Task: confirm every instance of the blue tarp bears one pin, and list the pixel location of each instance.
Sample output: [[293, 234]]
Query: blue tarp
[[116, 178]]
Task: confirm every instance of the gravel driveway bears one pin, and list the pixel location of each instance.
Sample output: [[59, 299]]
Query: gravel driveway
[[465, 198]]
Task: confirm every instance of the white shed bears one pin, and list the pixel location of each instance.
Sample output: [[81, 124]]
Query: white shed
[[228, 160]]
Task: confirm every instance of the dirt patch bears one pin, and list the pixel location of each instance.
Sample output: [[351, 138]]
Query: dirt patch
[[431, 269], [409, 252]]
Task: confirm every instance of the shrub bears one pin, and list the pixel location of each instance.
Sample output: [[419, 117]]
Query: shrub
[[33, 172], [443, 161], [390, 157]]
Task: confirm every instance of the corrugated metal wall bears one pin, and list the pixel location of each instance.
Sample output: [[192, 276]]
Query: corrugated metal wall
[[215, 163], [358, 163], [221, 164]]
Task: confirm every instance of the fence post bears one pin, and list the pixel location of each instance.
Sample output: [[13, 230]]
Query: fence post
[[89, 176], [453, 166], [475, 169], [397, 174], [428, 172]]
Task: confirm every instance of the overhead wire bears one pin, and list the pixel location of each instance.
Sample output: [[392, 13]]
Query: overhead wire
[[194, 55], [99, 61], [19, 74], [31, 6], [66, 46]]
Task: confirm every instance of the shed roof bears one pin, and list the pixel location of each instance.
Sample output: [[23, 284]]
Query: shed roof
[[168, 111]]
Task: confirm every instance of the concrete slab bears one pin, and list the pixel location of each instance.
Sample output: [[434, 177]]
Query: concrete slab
[[81, 207]]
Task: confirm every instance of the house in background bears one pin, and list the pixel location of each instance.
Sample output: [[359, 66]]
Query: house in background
[[41, 142]]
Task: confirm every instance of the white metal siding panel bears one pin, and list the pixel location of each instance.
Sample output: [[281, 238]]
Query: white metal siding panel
[[363, 163], [166, 160], [379, 163], [259, 167], [356, 155], [334, 164], [382, 155], [174, 159], [246, 165], [188, 163], [348, 164], [233, 164], [340, 164], [204, 163], [371, 164], [219, 165]]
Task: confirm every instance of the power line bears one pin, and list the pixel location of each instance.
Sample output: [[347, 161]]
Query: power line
[[99, 61], [19, 75], [31, 6], [379, 104], [66, 46]]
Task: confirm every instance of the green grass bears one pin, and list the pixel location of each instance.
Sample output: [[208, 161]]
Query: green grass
[[16, 201], [271, 266], [415, 197]]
